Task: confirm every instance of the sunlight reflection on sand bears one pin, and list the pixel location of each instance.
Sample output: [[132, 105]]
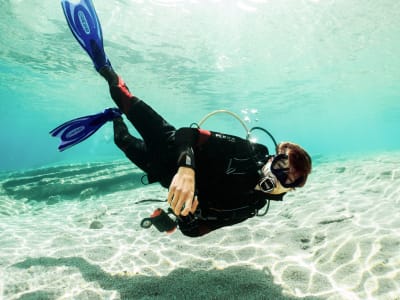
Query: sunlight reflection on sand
[[337, 238]]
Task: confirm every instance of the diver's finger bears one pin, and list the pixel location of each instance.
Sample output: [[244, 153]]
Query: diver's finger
[[188, 206], [170, 196], [178, 206], [172, 191], [186, 199], [195, 203]]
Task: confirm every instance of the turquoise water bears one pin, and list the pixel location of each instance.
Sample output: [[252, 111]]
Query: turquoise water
[[320, 73]]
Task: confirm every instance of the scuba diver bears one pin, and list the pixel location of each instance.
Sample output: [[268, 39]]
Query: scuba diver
[[213, 179]]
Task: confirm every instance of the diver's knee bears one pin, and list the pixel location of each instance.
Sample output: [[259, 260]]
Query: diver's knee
[[121, 140], [121, 133]]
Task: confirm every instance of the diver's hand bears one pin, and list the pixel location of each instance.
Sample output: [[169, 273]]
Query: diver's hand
[[181, 192]]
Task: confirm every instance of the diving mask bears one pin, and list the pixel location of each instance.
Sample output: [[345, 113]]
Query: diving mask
[[278, 170]]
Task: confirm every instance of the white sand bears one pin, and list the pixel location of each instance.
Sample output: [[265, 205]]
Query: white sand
[[337, 238]]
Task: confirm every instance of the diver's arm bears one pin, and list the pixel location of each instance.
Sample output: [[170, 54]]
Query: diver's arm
[[182, 189]]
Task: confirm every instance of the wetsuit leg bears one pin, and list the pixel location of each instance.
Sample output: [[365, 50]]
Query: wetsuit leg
[[152, 127], [157, 133], [134, 148]]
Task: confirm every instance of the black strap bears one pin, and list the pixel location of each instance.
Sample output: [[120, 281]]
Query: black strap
[[239, 213]]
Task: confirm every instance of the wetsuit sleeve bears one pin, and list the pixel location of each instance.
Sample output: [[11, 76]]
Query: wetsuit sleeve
[[185, 140]]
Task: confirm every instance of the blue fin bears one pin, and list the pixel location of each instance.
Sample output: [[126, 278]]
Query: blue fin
[[86, 28], [77, 130]]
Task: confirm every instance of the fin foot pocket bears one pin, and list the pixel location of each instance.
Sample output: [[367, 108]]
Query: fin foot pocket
[[109, 74]]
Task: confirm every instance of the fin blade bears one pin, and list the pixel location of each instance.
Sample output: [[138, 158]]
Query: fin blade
[[85, 26], [58, 130], [77, 130]]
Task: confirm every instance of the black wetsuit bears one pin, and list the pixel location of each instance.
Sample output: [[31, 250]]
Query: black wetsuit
[[226, 167]]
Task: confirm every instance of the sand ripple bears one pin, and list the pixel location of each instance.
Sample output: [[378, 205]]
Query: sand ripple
[[338, 238]]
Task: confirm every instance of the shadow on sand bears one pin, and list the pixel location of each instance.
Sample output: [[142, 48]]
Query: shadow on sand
[[230, 283]]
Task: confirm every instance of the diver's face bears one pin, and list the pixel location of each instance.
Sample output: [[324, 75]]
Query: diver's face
[[269, 183]]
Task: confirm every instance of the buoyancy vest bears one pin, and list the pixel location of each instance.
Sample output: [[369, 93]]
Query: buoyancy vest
[[227, 171]]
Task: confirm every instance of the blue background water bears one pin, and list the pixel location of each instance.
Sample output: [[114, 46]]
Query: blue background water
[[324, 74]]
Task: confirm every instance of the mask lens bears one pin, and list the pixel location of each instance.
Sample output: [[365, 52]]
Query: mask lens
[[280, 168], [280, 163]]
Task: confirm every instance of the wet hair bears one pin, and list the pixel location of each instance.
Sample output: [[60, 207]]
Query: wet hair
[[299, 160]]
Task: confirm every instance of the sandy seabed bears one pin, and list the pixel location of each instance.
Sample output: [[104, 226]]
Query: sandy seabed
[[337, 238]]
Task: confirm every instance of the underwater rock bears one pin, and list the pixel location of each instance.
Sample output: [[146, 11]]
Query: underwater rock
[[340, 169], [87, 193], [96, 225]]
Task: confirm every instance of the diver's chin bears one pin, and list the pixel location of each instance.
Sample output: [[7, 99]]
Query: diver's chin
[[280, 190]]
